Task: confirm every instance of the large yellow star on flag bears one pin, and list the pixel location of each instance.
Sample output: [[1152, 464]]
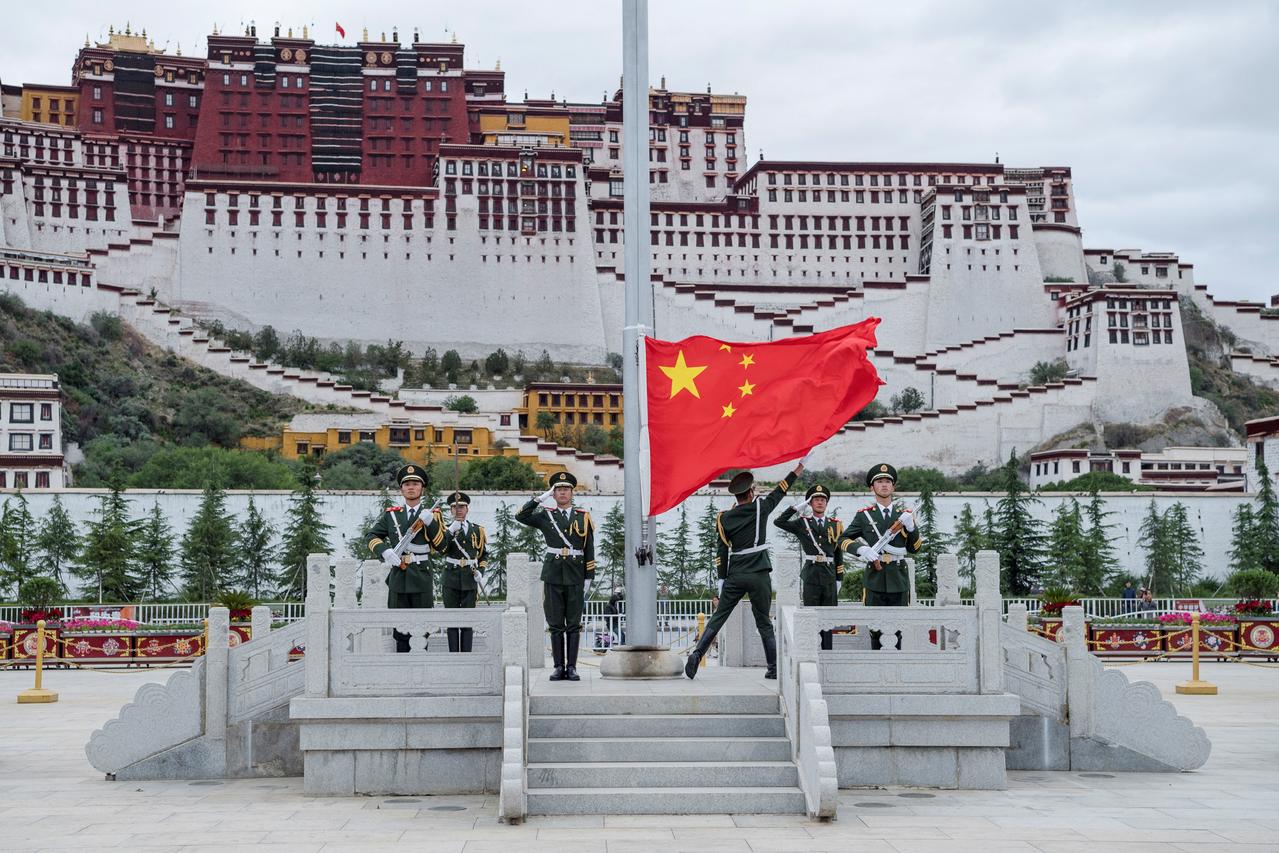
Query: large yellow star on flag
[[682, 376]]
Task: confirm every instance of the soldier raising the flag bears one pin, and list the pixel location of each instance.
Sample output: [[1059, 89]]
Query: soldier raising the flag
[[403, 537], [743, 564], [568, 568], [819, 540], [465, 559]]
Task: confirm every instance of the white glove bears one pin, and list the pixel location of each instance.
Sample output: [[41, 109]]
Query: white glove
[[719, 590], [908, 521], [547, 499], [388, 557], [805, 510], [866, 553], [454, 526]]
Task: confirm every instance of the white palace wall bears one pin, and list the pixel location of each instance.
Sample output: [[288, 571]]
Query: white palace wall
[[1209, 514]]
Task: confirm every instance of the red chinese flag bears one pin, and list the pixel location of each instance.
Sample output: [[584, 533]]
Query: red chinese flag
[[341, 31], [715, 405]]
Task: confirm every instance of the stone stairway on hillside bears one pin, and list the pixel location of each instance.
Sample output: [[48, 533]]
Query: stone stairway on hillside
[[660, 754]]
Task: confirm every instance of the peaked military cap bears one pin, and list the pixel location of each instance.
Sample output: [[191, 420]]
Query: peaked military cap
[[817, 490], [741, 483], [411, 472], [563, 478], [878, 472], [459, 498]]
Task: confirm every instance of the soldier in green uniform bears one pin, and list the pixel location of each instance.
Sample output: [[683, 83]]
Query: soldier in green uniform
[[819, 536], [887, 582], [465, 558], [568, 568], [743, 564], [408, 581]]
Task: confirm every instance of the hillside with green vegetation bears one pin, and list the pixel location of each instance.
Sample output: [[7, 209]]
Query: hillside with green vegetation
[[1208, 347]]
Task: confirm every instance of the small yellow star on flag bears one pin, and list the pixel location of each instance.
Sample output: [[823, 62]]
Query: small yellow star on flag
[[729, 411], [682, 376], [725, 348], [746, 389], [747, 360]]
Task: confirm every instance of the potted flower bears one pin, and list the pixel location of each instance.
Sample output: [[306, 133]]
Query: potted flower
[[1053, 600], [1217, 632], [1125, 636], [98, 638], [169, 641], [1258, 627], [241, 605]]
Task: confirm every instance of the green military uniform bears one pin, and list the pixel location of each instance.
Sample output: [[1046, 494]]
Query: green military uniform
[[823, 568], [743, 564], [888, 586], [567, 566], [410, 585], [465, 555]]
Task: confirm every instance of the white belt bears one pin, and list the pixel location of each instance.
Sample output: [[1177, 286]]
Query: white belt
[[417, 558], [563, 552], [454, 561], [817, 558], [754, 550]]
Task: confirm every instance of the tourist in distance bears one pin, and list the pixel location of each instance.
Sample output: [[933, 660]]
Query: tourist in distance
[[465, 559], [743, 564], [568, 568], [819, 537]]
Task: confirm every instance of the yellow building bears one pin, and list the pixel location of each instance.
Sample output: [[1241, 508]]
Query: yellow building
[[417, 442], [572, 404], [49, 104], [520, 126]]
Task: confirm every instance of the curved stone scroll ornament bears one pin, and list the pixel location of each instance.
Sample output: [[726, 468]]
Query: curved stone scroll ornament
[[160, 717], [1136, 716]]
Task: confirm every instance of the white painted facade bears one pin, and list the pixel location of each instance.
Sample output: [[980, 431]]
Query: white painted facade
[[31, 432]]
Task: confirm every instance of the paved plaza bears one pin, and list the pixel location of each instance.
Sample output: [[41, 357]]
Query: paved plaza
[[52, 800]]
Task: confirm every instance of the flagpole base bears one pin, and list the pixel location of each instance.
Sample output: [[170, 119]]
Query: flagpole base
[[36, 696], [1197, 688], [641, 662]]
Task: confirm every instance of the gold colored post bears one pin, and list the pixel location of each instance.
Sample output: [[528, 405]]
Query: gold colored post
[[1194, 686], [701, 629], [37, 694]]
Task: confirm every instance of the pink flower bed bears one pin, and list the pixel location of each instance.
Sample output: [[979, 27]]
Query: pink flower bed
[[6, 626], [1211, 620], [99, 624]]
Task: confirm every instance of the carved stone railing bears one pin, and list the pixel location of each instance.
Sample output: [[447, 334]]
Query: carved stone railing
[[804, 708], [512, 802], [1034, 667], [260, 675]]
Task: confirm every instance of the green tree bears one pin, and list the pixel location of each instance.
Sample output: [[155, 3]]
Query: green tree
[[1097, 481], [255, 570], [969, 538], [108, 558], [1066, 544], [610, 545], [1186, 552], [544, 368], [208, 549], [675, 557], [1018, 535], [530, 541], [500, 474], [501, 544], [465, 404], [57, 543], [305, 533], [934, 542], [451, 363], [200, 467], [497, 363], [1099, 562], [153, 555], [1160, 570], [545, 424], [1265, 520], [707, 534], [1044, 372], [1244, 553], [17, 543], [909, 400]]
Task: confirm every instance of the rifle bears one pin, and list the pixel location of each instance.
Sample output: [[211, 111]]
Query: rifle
[[417, 525], [881, 544]]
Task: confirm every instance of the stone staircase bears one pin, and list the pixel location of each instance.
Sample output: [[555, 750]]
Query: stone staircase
[[660, 754]]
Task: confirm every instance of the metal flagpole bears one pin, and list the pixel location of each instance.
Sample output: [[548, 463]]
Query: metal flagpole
[[641, 577]]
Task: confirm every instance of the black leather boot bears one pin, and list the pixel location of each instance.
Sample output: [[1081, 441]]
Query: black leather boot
[[828, 640], [454, 644], [770, 655], [557, 655], [570, 662], [695, 656], [468, 636]]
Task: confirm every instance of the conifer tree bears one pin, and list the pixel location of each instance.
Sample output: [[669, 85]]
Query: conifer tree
[[154, 555], [1244, 551], [1186, 552], [969, 538], [107, 562], [1099, 560], [675, 557], [17, 543], [707, 533], [934, 542], [1018, 535], [610, 544], [255, 568], [208, 549], [501, 543], [1159, 557], [57, 543], [1265, 528], [1066, 541], [305, 533]]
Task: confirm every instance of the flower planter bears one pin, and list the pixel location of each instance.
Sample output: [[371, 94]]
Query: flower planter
[[1125, 640], [241, 632], [6, 637], [1260, 632], [169, 646], [25, 643], [1219, 641], [97, 646], [1047, 627]]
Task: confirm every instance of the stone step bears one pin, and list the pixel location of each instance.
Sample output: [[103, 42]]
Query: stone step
[[664, 774], [656, 725], [645, 749], [673, 703], [566, 801]]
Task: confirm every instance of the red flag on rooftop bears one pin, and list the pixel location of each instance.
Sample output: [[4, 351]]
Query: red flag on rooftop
[[341, 31], [715, 405]]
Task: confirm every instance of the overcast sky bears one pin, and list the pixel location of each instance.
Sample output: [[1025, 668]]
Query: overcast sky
[[1168, 112]]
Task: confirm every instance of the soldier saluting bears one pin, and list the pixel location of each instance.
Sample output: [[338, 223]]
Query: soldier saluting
[[886, 579], [819, 537], [465, 559], [743, 564], [568, 567], [408, 582]]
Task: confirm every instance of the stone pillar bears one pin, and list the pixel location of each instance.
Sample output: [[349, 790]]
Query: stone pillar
[[947, 580], [786, 583], [344, 582], [990, 605], [216, 657], [317, 626], [807, 642], [260, 622], [514, 634], [1017, 616], [373, 583], [1079, 672], [524, 588], [911, 599]]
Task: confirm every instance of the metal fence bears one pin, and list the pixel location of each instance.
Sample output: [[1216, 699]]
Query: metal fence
[[164, 614]]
